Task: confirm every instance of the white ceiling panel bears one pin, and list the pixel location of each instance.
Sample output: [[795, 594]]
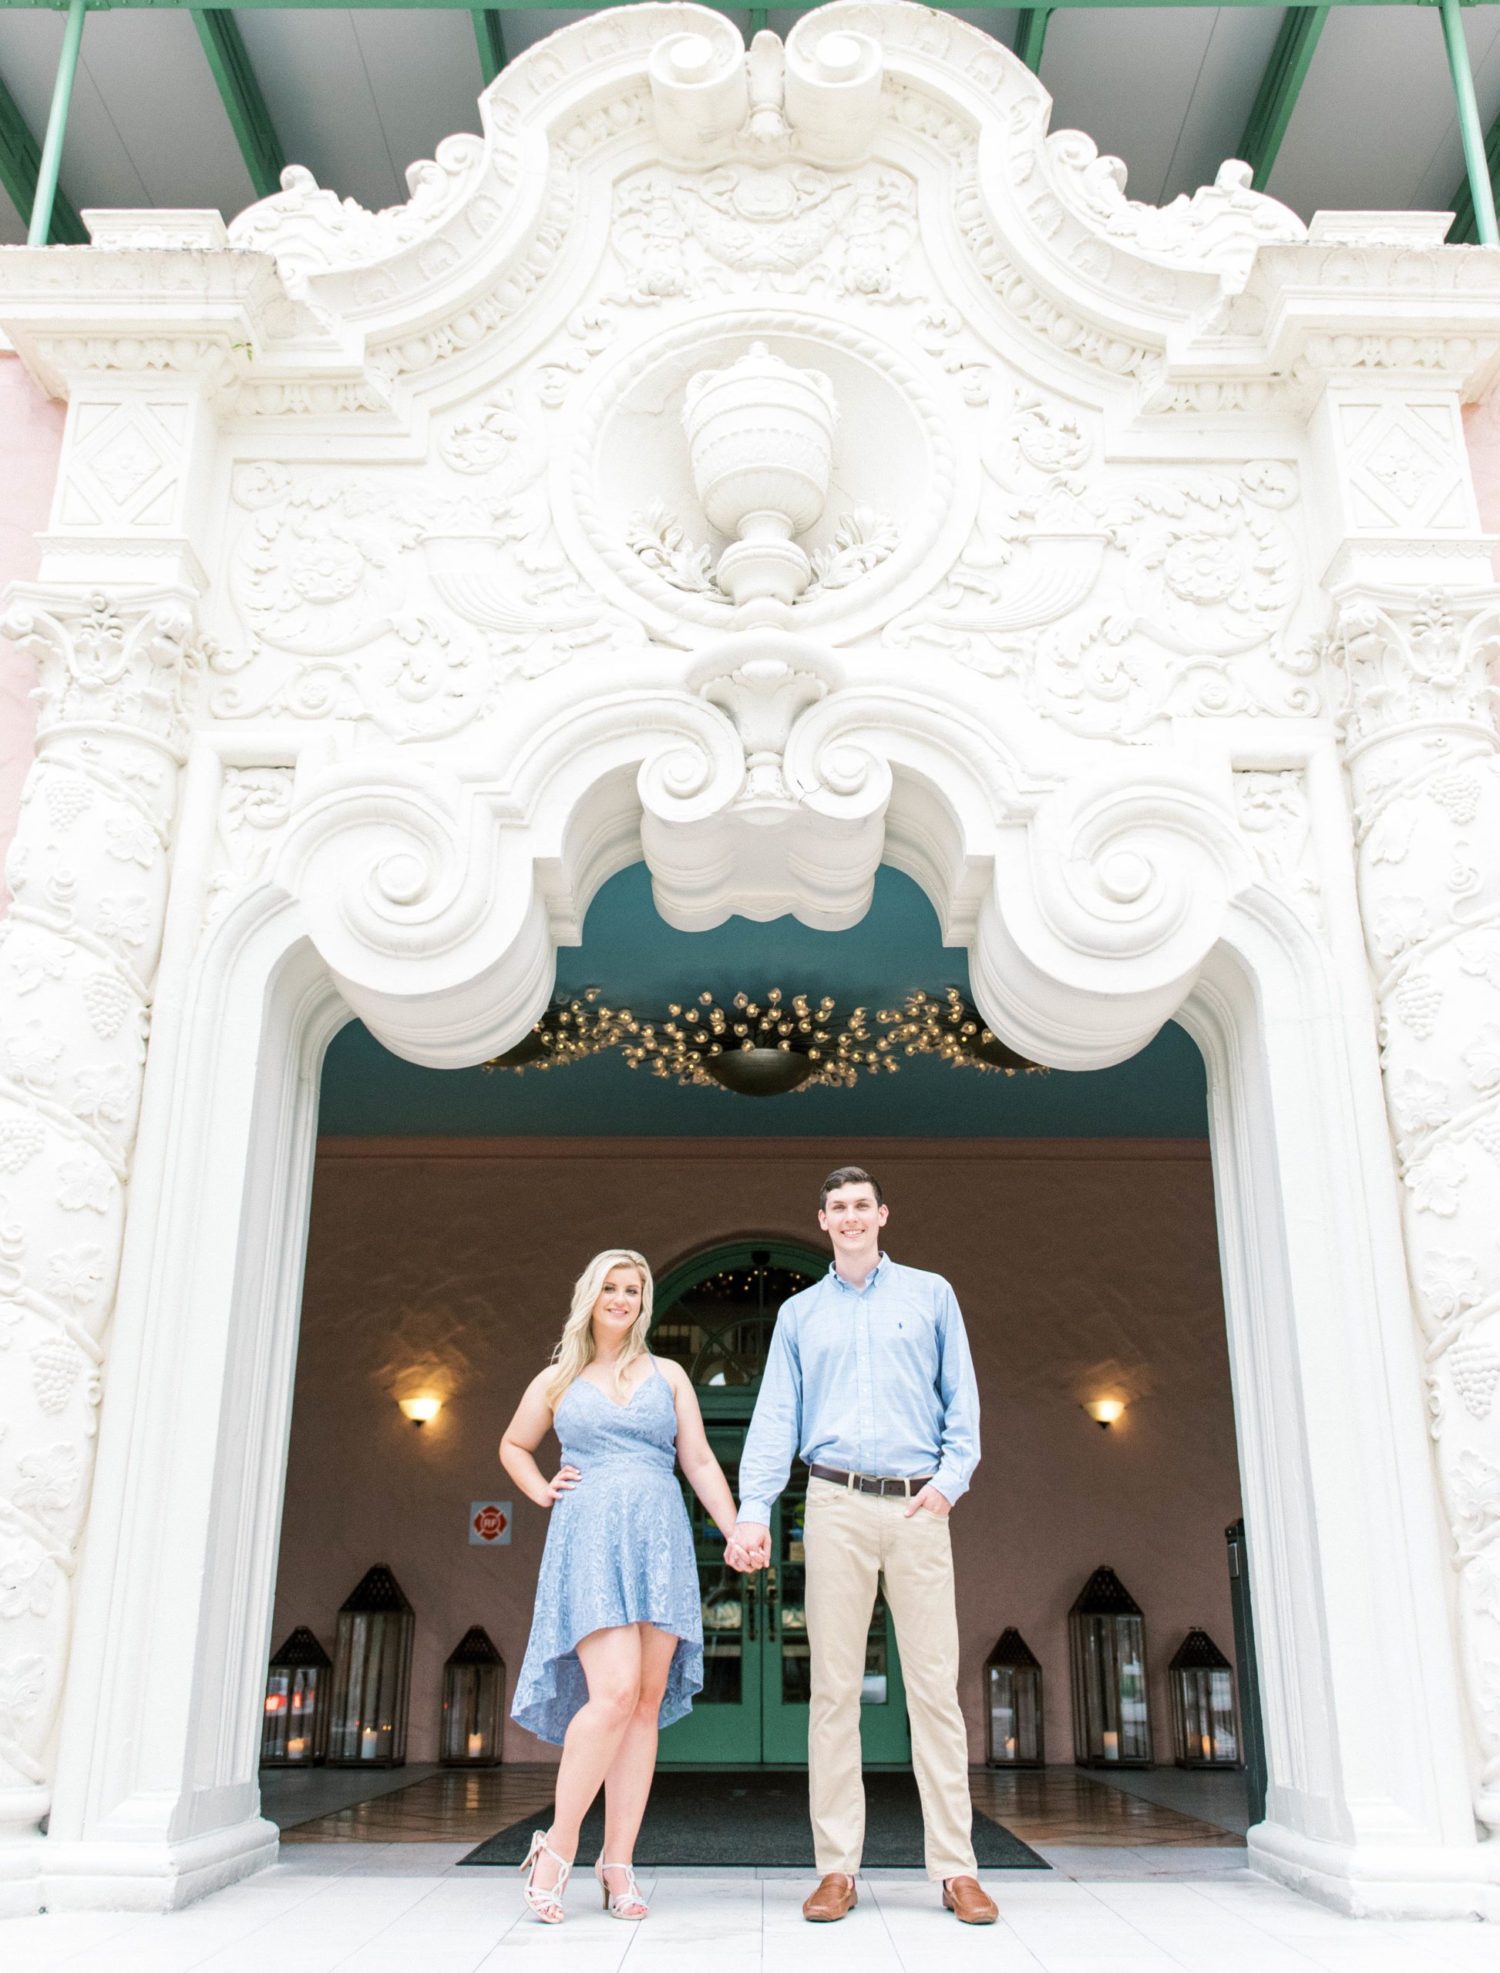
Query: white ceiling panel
[[522, 29], [312, 72], [1374, 112], [425, 75], [150, 69], [1126, 76], [1445, 168], [97, 169], [1234, 60]]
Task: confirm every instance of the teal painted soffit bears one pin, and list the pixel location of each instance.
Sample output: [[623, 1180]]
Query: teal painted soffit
[[642, 963]]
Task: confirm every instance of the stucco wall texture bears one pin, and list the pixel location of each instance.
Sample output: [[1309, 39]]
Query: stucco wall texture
[[1084, 1268], [31, 428]]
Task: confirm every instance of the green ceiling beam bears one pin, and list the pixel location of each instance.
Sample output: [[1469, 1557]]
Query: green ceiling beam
[[595, 6], [1478, 166], [1291, 58], [1031, 34], [249, 118], [20, 158], [1464, 232], [491, 38], [39, 232]]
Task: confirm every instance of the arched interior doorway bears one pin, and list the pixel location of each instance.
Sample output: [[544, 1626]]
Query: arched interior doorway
[[714, 1315], [1073, 1214]]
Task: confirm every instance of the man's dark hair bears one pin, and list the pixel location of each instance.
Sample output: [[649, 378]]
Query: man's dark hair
[[849, 1175]]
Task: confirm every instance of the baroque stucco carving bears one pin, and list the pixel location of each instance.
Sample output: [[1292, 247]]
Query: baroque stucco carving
[[88, 871], [1419, 738], [1055, 637]]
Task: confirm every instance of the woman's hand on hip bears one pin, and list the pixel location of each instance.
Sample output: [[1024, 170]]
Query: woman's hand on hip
[[563, 1481]]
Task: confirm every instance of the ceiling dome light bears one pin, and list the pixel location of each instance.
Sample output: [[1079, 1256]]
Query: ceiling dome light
[[760, 1071], [1104, 1411]]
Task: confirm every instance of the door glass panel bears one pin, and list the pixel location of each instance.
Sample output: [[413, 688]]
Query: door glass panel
[[724, 1600]]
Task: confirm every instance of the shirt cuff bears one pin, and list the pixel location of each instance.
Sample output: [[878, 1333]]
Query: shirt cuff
[[758, 1511], [949, 1485]]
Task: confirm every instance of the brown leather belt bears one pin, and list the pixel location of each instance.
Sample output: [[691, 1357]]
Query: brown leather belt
[[869, 1483]]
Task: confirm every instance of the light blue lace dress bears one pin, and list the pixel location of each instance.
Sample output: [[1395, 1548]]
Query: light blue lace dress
[[619, 1551]]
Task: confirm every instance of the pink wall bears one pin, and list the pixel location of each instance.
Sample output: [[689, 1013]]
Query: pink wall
[[31, 429], [1083, 1269], [1482, 432]]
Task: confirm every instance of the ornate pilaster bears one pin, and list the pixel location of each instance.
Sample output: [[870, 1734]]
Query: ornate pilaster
[[1424, 765], [78, 955]]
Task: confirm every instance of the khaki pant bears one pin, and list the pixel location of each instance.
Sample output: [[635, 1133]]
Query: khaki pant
[[852, 1541]]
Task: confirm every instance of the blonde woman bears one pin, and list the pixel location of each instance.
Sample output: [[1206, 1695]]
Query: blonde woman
[[616, 1647]]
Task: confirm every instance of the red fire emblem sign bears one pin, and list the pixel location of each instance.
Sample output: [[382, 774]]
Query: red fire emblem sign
[[489, 1522]]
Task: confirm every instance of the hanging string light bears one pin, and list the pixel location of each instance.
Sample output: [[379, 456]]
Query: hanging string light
[[768, 1044], [949, 1026]]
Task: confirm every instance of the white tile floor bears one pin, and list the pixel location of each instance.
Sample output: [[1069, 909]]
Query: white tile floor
[[405, 1908]]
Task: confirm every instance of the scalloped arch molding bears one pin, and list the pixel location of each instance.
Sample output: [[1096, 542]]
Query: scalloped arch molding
[[768, 464]]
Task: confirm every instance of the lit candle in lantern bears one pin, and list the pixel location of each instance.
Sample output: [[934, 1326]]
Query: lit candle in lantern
[[1111, 1746], [476, 1746], [1206, 1743], [296, 1748]]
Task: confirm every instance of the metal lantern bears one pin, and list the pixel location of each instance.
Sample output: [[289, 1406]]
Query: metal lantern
[[473, 1701], [1203, 1724], [1107, 1650], [294, 1731], [371, 1675], [1013, 1704]]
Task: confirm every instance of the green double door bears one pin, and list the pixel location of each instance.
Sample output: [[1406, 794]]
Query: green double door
[[756, 1663]]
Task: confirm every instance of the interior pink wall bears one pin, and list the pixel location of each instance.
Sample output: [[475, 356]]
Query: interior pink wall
[[1482, 431], [1083, 1269], [31, 428]]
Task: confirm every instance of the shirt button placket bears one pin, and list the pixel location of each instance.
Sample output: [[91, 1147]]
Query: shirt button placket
[[866, 1385]]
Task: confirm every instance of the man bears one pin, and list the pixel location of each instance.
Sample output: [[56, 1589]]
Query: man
[[869, 1378]]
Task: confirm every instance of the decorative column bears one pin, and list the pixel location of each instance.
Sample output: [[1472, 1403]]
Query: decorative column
[[88, 871], [147, 335], [1421, 751]]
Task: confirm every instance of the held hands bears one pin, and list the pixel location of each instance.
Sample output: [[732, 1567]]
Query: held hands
[[930, 1501], [566, 1478], [748, 1547]]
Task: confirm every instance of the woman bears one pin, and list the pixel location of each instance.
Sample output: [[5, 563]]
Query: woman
[[616, 1648]]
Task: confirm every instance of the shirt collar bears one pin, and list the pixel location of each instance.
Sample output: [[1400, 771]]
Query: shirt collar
[[881, 1267]]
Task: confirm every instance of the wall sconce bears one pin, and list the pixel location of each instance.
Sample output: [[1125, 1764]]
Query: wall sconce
[[420, 1410], [1104, 1411]]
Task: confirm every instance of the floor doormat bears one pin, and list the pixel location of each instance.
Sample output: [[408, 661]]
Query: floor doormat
[[757, 1819]]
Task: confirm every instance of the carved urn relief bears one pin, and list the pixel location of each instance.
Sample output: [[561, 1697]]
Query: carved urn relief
[[764, 467], [761, 438]]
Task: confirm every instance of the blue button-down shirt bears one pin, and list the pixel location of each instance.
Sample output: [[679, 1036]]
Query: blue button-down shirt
[[873, 1380]]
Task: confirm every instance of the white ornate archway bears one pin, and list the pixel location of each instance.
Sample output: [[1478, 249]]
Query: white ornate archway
[[768, 465]]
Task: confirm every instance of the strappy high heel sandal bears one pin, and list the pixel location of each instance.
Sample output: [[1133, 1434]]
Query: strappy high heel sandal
[[627, 1904], [545, 1903]]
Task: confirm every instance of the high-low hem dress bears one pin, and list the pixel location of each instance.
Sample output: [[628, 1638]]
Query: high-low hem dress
[[619, 1551]]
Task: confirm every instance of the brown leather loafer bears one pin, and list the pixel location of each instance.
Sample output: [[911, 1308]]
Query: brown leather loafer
[[835, 1898], [970, 1903]]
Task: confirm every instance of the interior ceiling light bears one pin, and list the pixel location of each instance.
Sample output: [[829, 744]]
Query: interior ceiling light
[[767, 1044]]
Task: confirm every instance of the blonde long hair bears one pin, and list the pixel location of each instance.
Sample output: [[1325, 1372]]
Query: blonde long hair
[[575, 1347]]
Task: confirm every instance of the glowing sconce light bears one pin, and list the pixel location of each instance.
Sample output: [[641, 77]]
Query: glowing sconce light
[[1104, 1411], [421, 1411]]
